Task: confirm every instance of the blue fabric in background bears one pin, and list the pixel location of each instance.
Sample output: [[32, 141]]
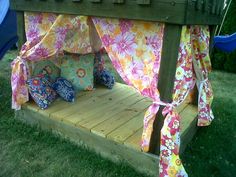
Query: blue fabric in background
[[225, 43], [4, 6], [8, 31]]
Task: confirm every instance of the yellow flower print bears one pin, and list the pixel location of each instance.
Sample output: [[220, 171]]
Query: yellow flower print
[[139, 52], [178, 162], [147, 25], [172, 172]]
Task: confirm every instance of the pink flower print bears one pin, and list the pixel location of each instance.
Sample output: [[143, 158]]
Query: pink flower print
[[125, 44], [61, 32], [52, 18], [153, 41], [107, 40], [36, 18], [41, 52], [166, 153], [125, 25], [32, 33], [58, 44], [137, 69]]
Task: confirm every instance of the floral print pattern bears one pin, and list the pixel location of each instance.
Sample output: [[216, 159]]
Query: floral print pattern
[[41, 91], [50, 38], [101, 74], [135, 58], [78, 69], [46, 67], [202, 66], [65, 89], [139, 68], [170, 163]]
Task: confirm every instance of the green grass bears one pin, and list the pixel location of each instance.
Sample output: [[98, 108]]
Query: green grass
[[28, 151]]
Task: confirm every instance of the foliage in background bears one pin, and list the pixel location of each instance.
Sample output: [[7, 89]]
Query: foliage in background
[[221, 60]]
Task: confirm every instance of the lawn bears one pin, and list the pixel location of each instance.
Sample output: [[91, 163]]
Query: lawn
[[28, 151]]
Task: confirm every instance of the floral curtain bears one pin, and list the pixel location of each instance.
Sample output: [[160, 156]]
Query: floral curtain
[[202, 67], [170, 163], [134, 48], [54, 34]]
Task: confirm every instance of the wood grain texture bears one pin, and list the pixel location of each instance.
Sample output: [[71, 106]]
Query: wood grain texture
[[116, 115], [175, 12]]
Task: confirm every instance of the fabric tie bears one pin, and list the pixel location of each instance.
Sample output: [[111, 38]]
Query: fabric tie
[[18, 79], [205, 97]]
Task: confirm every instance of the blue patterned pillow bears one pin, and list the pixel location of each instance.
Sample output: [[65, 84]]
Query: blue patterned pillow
[[105, 78], [41, 91], [101, 74], [65, 89]]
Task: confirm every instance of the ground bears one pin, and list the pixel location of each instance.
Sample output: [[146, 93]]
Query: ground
[[28, 151]]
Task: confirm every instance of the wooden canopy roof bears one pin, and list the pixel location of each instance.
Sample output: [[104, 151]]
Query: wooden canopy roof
[[184, 12]]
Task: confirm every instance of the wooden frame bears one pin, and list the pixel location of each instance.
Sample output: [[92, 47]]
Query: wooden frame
[[168, 11]]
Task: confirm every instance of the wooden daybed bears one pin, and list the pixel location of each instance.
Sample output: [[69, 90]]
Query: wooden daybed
[[110, 121]]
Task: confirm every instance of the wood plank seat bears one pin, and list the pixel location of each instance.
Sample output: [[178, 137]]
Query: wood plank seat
[[107, 116]]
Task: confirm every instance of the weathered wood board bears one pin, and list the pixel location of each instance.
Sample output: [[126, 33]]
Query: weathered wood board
[[168, 11]]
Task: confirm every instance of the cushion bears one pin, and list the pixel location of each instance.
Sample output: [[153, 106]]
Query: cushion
[[104, 77], [78, 70], [65, 89], [46, 67], [101, 74], [41, 91]]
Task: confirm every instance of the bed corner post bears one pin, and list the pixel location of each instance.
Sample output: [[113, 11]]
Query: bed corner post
[[170, 50], [20, 29]]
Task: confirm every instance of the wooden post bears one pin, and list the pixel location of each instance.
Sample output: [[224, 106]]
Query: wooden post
[[170, 50], [20, 29]]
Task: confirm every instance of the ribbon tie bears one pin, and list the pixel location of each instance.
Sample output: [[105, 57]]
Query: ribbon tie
[[18, 79]]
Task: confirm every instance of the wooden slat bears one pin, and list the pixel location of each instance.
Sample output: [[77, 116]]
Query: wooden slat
[[187, 129], [98, 105], [109, 125], [159, 10], [127, 129], [135, 140], [117, 120], [167, 11], [92, 121], [188, 126], [187, 116], [31, 106], [86, 100]]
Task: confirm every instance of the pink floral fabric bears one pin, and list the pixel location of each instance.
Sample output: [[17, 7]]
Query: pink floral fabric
[[128, 44], [170, 163], [52, 36], [202, 66], [134, 48]]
